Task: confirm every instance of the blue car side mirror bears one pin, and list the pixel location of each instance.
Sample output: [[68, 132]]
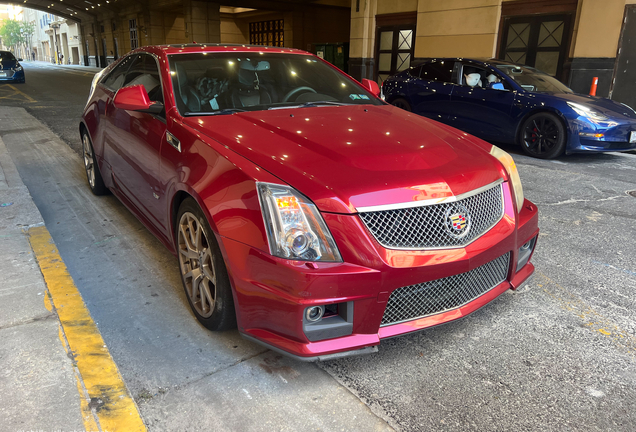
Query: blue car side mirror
[[497, 86]]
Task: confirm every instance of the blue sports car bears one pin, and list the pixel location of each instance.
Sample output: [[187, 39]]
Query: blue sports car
[[10, 68], [506, 102]]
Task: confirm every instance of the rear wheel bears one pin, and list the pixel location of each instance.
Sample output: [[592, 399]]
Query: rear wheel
[[402, 103], [93, 175], [543, 136], [203, 271]]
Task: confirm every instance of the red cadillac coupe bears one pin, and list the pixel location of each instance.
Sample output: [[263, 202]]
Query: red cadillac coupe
[[301, 207]]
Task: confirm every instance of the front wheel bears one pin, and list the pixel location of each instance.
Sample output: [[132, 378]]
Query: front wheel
[[543, 136], [203, 271], [93, 175], [402, 103]]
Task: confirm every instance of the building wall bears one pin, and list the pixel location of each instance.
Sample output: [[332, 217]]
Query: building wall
[[457, 28], [234, 31], [599, 28], [470, 28]]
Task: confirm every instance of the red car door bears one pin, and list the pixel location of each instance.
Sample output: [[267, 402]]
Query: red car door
[[134, 141]]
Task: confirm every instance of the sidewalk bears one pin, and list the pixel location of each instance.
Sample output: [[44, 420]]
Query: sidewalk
[[72, 66], [38, 380], [182, 379]]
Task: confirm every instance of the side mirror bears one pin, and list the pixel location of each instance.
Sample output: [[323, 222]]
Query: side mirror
[[20, 59], [372, 86], [135, 98]]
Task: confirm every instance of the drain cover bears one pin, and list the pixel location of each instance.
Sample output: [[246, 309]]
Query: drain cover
[[632, 193]]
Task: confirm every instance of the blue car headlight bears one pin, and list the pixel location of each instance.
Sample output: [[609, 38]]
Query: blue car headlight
[[17, 68], [585, 111]]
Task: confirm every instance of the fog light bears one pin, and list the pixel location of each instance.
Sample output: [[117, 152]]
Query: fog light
[[328, 321], [314, 313], [524, 252]]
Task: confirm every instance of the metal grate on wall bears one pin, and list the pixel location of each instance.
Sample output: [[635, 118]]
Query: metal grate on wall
[[270, 33]]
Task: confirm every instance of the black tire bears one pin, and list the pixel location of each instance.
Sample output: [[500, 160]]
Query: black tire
[[543, 136], [93, 174], [402, 103], [203, 272]]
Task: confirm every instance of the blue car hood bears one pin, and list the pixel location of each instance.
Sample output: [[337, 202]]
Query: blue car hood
[[8, 64], [604, 105]]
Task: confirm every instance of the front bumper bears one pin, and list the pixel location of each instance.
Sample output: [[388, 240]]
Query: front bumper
[[11, 76], [614, 135], [272, 294]]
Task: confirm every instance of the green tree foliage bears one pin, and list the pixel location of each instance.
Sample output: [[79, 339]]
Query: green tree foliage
[[15, 32]]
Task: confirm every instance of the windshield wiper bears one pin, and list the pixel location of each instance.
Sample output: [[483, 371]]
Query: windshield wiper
[[309, 105], [220, 112]]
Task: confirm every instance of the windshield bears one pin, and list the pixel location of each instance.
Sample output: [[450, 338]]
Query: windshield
[[225, 83], [533, 80], [6, 56]]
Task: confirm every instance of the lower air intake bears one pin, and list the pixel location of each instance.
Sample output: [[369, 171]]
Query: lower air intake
[[441, 295]]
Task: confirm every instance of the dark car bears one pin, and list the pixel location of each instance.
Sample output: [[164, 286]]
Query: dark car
[[510, 103], [302, 207], [10, 68]]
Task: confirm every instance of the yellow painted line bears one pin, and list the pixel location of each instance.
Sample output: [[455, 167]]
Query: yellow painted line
[[591, 318], [26, 96], [113, 406]]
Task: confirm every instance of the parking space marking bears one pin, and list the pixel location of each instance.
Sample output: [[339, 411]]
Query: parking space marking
[[110, 401], [24, 95], [591, 319], [14, 93]]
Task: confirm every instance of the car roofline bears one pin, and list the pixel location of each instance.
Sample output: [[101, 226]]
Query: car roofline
[[218, 47]]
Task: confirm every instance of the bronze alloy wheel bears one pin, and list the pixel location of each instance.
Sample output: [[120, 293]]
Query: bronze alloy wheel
[[197, 265], [93, 175], [89, 160], [203, 271]]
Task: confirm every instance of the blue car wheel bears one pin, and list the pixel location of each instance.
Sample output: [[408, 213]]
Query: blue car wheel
[[402, 103], [543, 136]]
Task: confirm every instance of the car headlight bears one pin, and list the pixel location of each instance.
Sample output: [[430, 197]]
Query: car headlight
[[295, 228], [17, 68], [588, 112], [508, 163]]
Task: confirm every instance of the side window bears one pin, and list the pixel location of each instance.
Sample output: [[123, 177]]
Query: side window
[[492, 77], [441, 71], [474, 76], [415, 71], [115, 79], [144, 71]]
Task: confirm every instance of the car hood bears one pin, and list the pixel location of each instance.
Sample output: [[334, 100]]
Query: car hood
[[347, 157], [606, 106], [8, 64]]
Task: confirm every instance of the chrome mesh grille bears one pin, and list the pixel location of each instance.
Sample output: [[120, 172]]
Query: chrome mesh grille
[[425, 227], [428, 298]]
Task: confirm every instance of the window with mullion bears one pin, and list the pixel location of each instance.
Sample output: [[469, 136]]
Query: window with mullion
[[394, 50]]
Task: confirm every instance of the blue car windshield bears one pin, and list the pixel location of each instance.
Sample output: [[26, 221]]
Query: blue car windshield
[[6, 56], [531, 79]]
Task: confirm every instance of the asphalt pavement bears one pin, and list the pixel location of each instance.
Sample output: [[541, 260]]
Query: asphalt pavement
[[558, 354]]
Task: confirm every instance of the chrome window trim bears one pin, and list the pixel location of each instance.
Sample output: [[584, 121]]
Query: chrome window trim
[[428, 202]]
